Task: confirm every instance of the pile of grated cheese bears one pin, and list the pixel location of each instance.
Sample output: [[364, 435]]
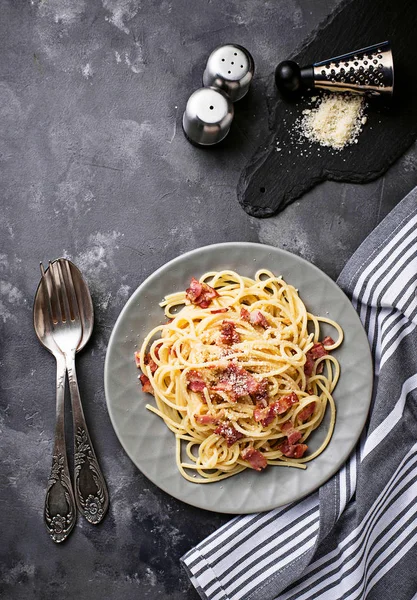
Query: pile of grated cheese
[[335, 121]]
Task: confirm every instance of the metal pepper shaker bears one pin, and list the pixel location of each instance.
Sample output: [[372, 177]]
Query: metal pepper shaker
[[207, 116], [230, 68]]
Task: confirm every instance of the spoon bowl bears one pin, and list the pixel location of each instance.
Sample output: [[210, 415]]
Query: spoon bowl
[[41, 312]]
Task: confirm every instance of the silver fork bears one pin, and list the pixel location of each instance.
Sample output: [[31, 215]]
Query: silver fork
[[89, 484], [60, 512]]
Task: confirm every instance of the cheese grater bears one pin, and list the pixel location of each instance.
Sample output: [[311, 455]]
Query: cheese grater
[[367, 71]]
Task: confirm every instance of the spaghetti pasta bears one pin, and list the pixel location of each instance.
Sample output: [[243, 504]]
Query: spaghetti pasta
[[239, 374]]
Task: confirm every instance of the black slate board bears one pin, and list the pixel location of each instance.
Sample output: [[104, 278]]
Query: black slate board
[[273, 179]]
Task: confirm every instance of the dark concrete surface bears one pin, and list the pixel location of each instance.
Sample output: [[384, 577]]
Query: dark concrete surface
[[94, 166]]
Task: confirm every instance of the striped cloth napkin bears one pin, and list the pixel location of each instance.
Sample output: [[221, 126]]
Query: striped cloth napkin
[[356, 537]]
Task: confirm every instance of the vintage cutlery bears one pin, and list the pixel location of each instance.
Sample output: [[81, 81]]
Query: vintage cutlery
[[60, 510], [72, 321]]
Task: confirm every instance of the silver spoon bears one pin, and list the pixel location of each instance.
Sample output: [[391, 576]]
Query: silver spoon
[[60, 511], [72, 319]]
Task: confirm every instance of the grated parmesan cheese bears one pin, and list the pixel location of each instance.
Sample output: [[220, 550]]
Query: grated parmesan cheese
[[335, 121]]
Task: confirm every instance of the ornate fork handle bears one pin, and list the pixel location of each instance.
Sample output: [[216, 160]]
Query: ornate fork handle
[[89, 484], [60, 511]]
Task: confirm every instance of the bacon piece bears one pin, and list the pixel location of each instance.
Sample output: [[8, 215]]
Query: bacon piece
[[229, 335], [293, 450], [306, 413], [293, 435], [262, 403], [169, 321], [218, 310], [236, 382], [265, 416], [316, 352], [255, 458], [146, 384], [284, 403], [225, 386], [328, 341], [194, 291], [137, 359], [309, 365], [148, 360], [215, 398], [207, 419], [228, 432], [207, 296], [261, 394], [257, 318], [200, 294], [195, 381], [244, 314]]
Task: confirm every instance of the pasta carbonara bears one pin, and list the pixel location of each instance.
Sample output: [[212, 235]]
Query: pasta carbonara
[[240, 374]]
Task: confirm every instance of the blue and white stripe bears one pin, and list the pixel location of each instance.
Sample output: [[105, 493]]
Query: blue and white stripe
[[355, 538]]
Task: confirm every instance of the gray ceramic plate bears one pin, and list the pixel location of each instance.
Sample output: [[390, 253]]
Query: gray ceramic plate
[[149, 443]]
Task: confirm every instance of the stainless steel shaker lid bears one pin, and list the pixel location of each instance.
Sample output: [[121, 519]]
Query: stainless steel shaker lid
[[207, 116], [230, 68]]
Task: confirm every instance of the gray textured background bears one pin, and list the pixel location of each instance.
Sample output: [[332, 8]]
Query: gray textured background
[[94, 166]]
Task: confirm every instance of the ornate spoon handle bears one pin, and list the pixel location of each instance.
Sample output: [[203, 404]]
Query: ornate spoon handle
[[60, 511], [89, 484]]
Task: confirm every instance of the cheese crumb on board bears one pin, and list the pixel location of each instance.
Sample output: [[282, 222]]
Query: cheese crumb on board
[[335, 121]]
